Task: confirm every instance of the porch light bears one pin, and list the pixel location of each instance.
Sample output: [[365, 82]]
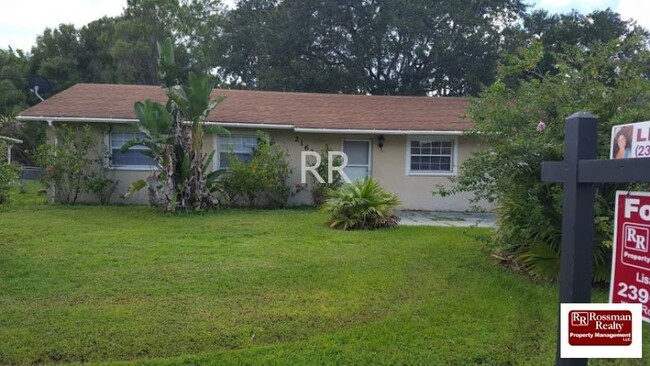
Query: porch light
[[380, 142]]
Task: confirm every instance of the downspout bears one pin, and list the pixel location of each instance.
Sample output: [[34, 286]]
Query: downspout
[[51, 125]]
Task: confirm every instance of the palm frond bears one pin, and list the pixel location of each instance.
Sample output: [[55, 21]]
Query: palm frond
[[362, 204]]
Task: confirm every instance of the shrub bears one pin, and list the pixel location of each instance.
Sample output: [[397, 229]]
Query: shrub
[[74, 165], [263, 179], [101, 186], [362, 204], [240, 182], [8, 177], [523, 125], [101, 181], [66, 162]]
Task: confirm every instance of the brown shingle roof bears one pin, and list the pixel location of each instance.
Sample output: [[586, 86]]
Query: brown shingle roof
[[301, 110]]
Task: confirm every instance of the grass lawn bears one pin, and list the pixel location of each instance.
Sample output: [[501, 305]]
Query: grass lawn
[[127, 285]]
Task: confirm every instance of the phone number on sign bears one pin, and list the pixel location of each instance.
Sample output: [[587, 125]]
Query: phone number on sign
[[643, 151], [633, 293]]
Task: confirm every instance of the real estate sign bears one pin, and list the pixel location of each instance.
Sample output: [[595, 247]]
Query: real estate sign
[[630, 141], [630, 282]]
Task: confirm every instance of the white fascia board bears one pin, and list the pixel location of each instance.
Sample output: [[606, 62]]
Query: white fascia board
[[133, 120], [76, 119], [11, 139], [352, 131], [251, 125]]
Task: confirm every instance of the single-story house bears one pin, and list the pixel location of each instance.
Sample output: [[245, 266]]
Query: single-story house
[[410, 144]]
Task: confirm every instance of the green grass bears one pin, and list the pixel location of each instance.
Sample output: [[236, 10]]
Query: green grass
[[91, 284]]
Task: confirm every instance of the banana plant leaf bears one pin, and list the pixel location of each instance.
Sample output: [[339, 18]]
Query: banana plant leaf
[[135, 187]]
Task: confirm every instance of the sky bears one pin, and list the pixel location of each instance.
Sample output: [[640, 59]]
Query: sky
[[22, 20]]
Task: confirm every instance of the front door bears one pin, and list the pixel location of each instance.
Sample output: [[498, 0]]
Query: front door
[[358, 152]]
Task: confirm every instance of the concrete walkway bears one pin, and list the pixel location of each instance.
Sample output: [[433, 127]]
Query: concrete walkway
[[453, 219]]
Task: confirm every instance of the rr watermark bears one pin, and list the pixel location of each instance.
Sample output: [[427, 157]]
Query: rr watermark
[[331, 168]]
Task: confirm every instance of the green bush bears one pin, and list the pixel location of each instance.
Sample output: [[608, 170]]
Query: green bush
[[8, 177], [263, 179], [99, 180], [66, 162], [99, 184], [362, 204], [74, 165], [523, 125]]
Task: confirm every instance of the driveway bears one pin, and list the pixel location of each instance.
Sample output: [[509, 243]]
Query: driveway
[[453, 219]]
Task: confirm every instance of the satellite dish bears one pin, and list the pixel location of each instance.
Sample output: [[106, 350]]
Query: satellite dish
[[39, 84]]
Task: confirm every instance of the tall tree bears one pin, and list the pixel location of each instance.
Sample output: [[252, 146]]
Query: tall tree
[[96, 39], [14, 68], [376, 46], [191, 24], [144, 24], [200, 26], [56, 56], [559, 34]]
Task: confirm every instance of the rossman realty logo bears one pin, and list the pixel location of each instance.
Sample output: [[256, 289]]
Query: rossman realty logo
[[600, 330], [636, 237]]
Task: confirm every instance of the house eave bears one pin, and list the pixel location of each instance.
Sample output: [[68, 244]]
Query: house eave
[[353, 131], [75, 119], [11, 139], [350, 131], [133, 120], [251, 125]]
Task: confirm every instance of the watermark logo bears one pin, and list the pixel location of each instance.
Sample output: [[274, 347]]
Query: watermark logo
[[600, 330], [331, 168]]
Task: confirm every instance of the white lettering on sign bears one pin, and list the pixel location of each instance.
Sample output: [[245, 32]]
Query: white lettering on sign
[[632, 206]]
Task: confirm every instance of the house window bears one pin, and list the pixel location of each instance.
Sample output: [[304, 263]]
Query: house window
[[132, 158], [240, 145], [431, 156]]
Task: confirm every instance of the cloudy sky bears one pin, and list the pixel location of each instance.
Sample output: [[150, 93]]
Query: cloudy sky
[[22, 20]]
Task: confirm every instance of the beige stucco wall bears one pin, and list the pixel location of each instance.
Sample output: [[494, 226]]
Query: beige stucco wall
[[388, 165]]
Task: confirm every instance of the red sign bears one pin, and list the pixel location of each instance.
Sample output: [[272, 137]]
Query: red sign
[[630, 282], [600, 328]]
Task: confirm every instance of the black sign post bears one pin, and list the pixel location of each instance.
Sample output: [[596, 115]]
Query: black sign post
[[579, 173]]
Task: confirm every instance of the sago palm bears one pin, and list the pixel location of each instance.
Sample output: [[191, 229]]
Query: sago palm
[[362, 204]]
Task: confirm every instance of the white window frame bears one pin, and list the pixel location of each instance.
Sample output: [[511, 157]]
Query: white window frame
[[369, 165], [108, 139], [438, 173], [217, 143]]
